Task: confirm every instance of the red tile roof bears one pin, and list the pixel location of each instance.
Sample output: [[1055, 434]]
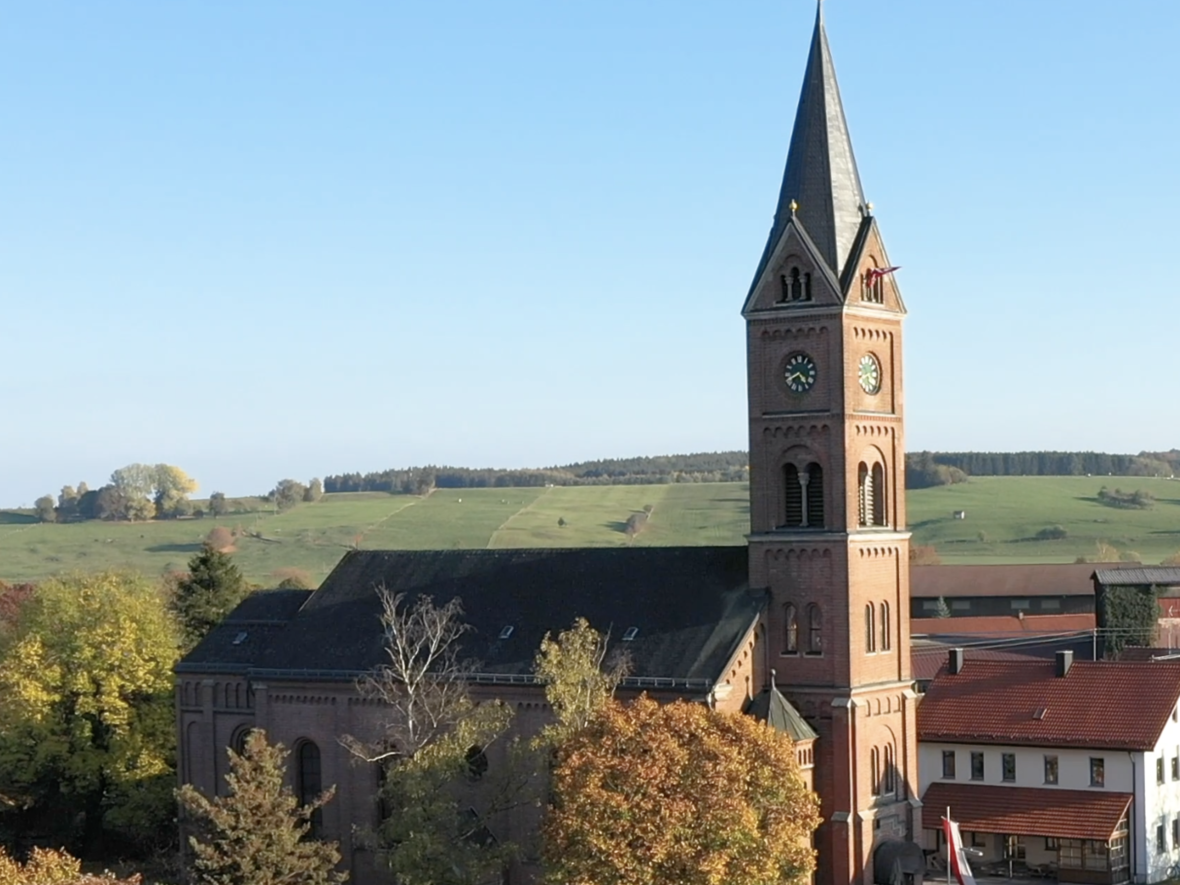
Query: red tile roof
[[1099, 704], [956, 581], [1002, 625], [1026, 811], [926, 661]]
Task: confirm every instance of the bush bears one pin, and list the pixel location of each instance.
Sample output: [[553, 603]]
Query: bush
[[1136, 500], [1051, 533], [635, 523]]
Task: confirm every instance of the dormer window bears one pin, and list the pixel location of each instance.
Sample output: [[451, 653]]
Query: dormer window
[[630, 634], [507, 632], [796, 285]]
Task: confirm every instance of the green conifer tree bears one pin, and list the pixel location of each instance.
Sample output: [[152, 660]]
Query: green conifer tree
[[256, 834], [209, 592]]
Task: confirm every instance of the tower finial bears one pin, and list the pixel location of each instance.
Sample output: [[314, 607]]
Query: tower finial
[[819, 10], [794, 207]]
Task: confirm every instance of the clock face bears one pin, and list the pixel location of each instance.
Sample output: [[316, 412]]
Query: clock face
[[800, 373], [869, 374]]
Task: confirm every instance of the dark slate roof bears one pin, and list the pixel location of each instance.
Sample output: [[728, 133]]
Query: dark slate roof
[[771, 707], [1041, 579], [691, 605], [237, 642], [821, 174], [1122, 577]]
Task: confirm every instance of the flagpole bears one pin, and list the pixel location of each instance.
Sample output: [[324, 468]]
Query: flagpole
[[948, 850]]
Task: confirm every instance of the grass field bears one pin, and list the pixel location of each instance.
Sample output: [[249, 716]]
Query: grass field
[[1003, 516]]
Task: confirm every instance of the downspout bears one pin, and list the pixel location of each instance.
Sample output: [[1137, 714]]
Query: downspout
[[1133, 831]]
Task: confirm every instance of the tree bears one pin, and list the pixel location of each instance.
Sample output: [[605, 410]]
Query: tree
[[50, 867], [67, 504], [255, 834], [217, 504], [578, 680], [678, 794], [211, 590], [87, 730], [440, 798], [45, 509], [314, 490], [287, 493], [172, 486]]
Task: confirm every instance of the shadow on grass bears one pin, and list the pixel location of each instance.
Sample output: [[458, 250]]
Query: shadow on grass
[[173, 548], [9, 517], [616, 526]]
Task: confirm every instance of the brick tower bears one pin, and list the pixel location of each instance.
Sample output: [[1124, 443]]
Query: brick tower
[[827, 483]]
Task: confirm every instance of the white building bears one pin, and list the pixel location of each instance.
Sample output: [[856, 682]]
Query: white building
[[1063, 768]]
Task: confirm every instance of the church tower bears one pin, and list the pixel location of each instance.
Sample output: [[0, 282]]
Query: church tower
[[827, 483]]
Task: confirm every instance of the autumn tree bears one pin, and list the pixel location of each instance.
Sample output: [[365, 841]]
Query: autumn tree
[[87, 732], [314, 490], [256, 833], [440, 797], [211, 590], [171, 490], [579, 680], [677, 794]]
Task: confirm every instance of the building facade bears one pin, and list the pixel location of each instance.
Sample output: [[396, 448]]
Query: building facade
[[1067, 769]]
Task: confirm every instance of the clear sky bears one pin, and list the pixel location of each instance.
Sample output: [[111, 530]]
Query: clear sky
[[272, 239]]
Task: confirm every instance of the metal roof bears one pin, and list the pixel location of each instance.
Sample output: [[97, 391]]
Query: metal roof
[[1137, 576], [821, 174]]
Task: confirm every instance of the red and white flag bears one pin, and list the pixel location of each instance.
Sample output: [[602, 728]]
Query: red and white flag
[[875, 273], [956, 856]]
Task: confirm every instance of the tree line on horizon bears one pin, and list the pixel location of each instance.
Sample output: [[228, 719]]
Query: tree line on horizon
[[923, 469], [655, 470]]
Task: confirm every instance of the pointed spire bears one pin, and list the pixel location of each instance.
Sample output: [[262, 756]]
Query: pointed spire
[[821, 178]]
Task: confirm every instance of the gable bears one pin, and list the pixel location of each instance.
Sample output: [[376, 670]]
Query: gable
[[794, 277], [868, 253]]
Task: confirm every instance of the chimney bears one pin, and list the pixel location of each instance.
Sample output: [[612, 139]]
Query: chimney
[[1064, 662], [955, 665]]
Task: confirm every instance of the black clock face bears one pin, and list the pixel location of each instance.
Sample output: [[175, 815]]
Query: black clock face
[[800, 373]]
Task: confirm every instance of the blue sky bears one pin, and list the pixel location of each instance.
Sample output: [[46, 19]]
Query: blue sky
[[265, 239]]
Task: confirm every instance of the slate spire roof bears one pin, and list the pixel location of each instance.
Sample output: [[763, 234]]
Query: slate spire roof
[[821, 175]]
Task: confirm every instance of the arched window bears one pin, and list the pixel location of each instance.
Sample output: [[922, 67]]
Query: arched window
[[238, 741], [885, 637], [814, 515], [879, 495], [796, 285], [794, 490], [477, 763], [309, 782], [790, 630], [815, 630], [875, 771], [890, 773], [870, 628], [872, 284], [864, 495]]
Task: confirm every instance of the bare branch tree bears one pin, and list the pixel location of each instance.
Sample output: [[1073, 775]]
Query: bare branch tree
[[424, 682]]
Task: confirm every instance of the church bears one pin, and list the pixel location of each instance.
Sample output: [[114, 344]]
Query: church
[[807, 625]]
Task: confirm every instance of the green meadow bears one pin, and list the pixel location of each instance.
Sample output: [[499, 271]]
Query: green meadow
[[1003, 517]]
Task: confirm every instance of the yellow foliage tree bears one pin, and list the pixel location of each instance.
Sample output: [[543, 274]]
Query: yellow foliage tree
[[678, 794], [48, 867], [86, 721]]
